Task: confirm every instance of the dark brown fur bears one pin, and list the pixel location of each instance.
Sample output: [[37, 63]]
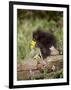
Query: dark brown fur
[[44, 41]]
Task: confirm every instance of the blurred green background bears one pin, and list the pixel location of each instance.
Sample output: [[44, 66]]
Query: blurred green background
[[30, 20]]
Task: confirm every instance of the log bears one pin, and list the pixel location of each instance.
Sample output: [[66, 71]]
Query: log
[[31, 69], [54, 63]]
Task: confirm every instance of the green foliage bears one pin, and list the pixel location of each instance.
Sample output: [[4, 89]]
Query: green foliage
[[30, 20], [57, 74]]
